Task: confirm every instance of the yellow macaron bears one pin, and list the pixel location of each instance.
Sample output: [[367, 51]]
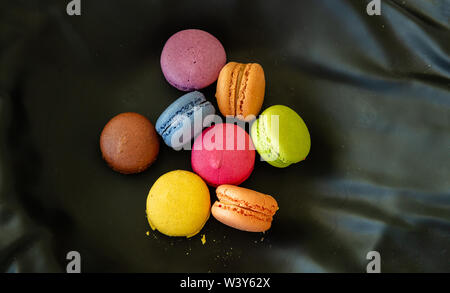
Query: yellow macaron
[[178, 204]]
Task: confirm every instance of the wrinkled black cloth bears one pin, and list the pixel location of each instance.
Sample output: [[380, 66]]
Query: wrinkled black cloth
[[373, 90]]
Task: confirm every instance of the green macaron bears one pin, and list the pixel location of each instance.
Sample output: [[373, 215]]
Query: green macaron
[[280, 136]]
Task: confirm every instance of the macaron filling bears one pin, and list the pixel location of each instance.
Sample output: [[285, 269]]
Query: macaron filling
[[238, 86], [243, 211]]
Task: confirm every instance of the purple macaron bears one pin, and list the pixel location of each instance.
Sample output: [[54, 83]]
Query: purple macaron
[[192, 59]]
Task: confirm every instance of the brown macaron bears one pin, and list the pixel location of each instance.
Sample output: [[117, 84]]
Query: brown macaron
[[129, 143], [240, 90]]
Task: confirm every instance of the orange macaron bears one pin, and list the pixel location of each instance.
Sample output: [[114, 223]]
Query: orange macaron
[[244, 209], [240, 90]]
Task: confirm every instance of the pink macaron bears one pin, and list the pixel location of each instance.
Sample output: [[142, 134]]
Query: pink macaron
[[192, 59], [223, 154]]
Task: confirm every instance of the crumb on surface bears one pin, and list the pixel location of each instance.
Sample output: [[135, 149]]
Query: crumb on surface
[[147, 233], [203, 239]]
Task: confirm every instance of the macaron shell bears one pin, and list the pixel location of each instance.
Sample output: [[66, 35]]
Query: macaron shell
[[219, 167], [284, 142], [247, 198], [251, 96], [129, 143], [225, 91], [178, 204], [240, 218], [218, 164], [294, 139], [192, 59]]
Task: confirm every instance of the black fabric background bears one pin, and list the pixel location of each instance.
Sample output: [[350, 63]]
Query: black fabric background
[[374, 92]]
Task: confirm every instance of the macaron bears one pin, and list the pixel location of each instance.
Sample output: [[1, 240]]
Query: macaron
[[178, 204], [223, 154], [183, 119], [240, 90], [129, 143], [192, 59], [244, 209], [280, 136]]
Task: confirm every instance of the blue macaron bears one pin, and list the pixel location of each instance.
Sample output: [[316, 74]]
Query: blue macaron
[[176, 124]]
